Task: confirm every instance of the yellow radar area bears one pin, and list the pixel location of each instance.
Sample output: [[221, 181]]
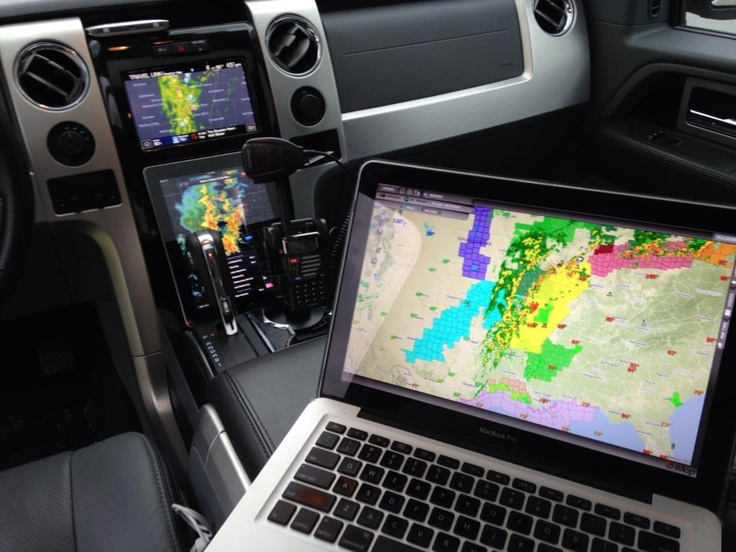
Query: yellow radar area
[[216, 211], [548, 304]]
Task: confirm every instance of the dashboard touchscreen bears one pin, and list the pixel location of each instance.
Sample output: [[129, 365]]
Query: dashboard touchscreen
[[189, 103], [214, 194]]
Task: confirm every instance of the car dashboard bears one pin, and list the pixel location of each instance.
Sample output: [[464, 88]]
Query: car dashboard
[[93, 90], [149, 239], [359, 89], [132, 121]]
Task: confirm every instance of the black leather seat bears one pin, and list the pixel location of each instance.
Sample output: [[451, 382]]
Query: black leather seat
[[113, 495], [258, 401]]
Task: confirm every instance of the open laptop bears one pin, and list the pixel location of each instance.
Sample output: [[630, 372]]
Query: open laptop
[[512, 365]]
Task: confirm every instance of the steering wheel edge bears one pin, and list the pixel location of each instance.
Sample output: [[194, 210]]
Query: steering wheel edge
[[16, 208]]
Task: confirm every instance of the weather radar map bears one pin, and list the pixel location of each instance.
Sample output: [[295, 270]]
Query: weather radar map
[[598, 331], [227, 201], [190, 104]]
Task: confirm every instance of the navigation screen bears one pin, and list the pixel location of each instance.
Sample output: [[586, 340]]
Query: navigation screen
[[187, 104], [208, 194], [588, 328]]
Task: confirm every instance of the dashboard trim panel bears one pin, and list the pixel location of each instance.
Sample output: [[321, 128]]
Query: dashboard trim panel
[[556, 75]]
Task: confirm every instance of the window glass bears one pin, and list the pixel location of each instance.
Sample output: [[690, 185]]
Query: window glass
[[714, 15]]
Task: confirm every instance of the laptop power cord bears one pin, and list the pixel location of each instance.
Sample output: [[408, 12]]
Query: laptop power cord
[[199, 523]]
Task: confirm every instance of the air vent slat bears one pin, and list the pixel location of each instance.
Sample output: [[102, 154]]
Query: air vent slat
[[553, 16], [655, 8], [557, 9], [295, 54], [551, 21], [48, 84], [293, 45], [51, 75]]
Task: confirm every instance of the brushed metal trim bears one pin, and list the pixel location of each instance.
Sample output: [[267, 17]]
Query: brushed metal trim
[[112, 229], [283, 87], [225, 473], [556, 76]]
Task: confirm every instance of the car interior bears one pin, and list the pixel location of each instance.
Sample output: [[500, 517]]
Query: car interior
[[176, 182]]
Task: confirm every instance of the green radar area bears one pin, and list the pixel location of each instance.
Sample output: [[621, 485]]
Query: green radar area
[[189, 104], [180, 100]]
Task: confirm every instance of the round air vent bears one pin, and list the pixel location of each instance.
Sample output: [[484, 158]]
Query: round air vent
[[294, 45], [554, 16], [51, 75]]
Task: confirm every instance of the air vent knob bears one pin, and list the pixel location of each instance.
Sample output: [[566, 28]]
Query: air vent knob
[[71, 144], [308, 106]]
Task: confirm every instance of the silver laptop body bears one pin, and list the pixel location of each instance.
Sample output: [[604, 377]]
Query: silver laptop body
[[512, 365]]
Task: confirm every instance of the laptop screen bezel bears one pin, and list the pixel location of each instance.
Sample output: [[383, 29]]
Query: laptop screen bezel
[[592, 467]]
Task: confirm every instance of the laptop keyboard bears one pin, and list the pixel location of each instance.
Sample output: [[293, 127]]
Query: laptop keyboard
[[364, 492]]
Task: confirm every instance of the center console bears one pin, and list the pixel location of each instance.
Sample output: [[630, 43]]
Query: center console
[[183, 100], [239, 263]]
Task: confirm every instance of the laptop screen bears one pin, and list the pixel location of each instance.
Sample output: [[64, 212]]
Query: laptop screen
[[535, 307]]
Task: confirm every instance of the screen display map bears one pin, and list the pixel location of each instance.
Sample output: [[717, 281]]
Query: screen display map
[[222, 199], [599, 331], [189, 104]]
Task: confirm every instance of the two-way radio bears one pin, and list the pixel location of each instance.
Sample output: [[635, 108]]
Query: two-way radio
[[298, 250], [299, 262]]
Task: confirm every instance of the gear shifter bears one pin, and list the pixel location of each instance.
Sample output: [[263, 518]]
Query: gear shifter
[[208, 257]]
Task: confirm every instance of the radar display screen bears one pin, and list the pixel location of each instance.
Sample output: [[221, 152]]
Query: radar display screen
[[190, 103], [214, 194]]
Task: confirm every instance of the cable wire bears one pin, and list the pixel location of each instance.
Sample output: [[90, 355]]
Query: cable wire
[[199, 523]]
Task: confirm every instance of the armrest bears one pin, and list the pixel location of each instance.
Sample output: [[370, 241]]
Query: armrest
[[258, 401]]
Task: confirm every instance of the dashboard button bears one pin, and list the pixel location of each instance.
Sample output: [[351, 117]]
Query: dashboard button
[[308, 106], [71, 143]]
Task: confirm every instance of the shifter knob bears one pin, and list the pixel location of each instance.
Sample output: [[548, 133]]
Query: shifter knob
[[208, 257]]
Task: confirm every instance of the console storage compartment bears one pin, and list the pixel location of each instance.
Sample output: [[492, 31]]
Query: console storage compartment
[[258, 401]]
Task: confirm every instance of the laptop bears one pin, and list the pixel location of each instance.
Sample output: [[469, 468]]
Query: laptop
[[512, 365]]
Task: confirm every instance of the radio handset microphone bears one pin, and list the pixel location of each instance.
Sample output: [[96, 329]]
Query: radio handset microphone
[[273, 160]]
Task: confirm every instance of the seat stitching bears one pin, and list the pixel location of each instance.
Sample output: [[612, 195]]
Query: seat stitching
[[71, 498], [249, 413], [161, 485]]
